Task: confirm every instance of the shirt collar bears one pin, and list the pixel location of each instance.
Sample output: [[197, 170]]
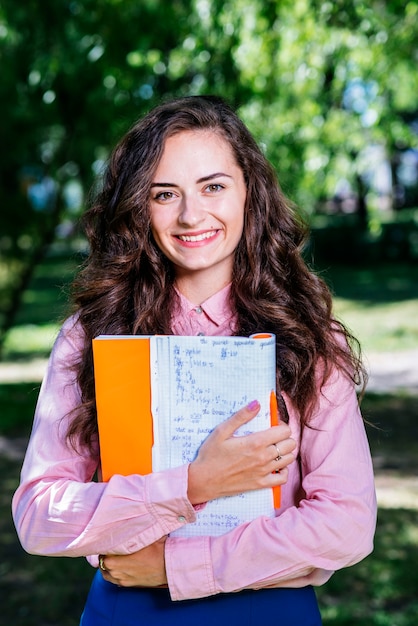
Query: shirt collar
[[217, 307]]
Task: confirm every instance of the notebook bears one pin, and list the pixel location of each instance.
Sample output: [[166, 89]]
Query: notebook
[[158, 398]]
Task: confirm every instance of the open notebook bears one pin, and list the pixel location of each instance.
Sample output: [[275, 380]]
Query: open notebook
[[159, 397]]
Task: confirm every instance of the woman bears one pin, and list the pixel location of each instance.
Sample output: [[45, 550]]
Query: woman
[[192, 235]]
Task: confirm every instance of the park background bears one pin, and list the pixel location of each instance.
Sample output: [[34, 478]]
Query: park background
[[330, 90]]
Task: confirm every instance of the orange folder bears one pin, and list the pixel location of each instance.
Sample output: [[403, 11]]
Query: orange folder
[[123, 398]]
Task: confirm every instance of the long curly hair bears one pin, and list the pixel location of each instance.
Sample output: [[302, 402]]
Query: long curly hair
[[127, 284]]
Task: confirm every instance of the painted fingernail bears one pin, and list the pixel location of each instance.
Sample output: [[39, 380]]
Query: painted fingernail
[[253, 405]]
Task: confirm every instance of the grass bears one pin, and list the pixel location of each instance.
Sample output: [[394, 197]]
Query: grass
[[382, 589], [36, 591], [44, 306], [388, 327], [380, 305], [17, 401]]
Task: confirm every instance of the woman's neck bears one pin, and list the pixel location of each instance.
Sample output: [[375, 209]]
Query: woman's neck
[[197, 292]]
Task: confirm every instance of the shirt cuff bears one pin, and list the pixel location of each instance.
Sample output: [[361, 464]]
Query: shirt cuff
[[191, 577], [166, 498]]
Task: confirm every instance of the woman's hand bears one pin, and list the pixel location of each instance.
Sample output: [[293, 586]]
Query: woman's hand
[[227, 465], [145, 568]]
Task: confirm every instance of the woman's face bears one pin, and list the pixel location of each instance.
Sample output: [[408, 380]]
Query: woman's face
[[197, 206]]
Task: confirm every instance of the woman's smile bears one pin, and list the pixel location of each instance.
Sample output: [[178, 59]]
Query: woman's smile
[[199, 238]]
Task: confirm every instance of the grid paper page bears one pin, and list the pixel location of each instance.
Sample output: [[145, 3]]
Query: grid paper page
[[198, 382]]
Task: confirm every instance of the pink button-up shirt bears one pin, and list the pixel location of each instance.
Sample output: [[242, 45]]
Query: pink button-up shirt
[[326, 520]]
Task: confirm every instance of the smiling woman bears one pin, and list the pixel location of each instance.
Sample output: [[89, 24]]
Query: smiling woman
[[197, 219], [191, 235]]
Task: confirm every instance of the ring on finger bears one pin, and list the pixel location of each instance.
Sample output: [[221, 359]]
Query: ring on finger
[[101, 563], [279, 456]]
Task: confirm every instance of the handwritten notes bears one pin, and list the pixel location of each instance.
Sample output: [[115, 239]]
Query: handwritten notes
[[196, 383]]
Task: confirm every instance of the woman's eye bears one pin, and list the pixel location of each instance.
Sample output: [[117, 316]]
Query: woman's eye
[[214, 187], [164, 195]]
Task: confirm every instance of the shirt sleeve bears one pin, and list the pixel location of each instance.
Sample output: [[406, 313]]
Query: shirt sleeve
[[58, 508], [326, 521]]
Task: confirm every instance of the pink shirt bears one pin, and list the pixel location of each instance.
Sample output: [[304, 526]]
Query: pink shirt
[[326, 521]]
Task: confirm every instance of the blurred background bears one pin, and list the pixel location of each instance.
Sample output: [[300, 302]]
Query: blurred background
[[330, 91]]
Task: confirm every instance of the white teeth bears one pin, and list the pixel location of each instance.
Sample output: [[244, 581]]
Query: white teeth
[[201, 237]]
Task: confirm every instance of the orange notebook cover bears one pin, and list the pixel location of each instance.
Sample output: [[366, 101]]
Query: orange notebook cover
[[123, 405]]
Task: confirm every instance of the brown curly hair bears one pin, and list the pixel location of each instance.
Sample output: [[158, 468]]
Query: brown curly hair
[[127, 284]]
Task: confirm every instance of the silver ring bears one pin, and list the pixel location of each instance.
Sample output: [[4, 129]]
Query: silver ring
[[279, 456], [101, 563]]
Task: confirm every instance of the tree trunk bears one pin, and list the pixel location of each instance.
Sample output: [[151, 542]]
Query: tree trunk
[[22, 281], [361, 202]]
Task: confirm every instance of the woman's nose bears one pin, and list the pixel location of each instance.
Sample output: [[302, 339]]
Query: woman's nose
[[191, 211]]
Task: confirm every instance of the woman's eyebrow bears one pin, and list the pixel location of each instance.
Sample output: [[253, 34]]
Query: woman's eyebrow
[[163, 185], [203, 179]]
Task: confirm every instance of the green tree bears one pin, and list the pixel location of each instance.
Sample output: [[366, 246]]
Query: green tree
[[75, 75], [318, 82], [334, 78]]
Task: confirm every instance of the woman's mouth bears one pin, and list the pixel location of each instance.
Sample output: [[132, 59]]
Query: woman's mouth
[[200, 237]]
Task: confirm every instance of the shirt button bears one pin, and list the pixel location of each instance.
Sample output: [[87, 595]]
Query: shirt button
[[198, 310], [181, 519]]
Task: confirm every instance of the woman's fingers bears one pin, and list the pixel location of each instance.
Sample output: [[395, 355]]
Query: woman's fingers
[[228, 464], [282, 445], [144, 568], [275, 435], [228, 428]]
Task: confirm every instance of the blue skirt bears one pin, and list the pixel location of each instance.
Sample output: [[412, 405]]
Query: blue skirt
[[110, 605]]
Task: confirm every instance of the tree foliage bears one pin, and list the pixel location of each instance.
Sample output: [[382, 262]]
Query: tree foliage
[[318, 82]]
